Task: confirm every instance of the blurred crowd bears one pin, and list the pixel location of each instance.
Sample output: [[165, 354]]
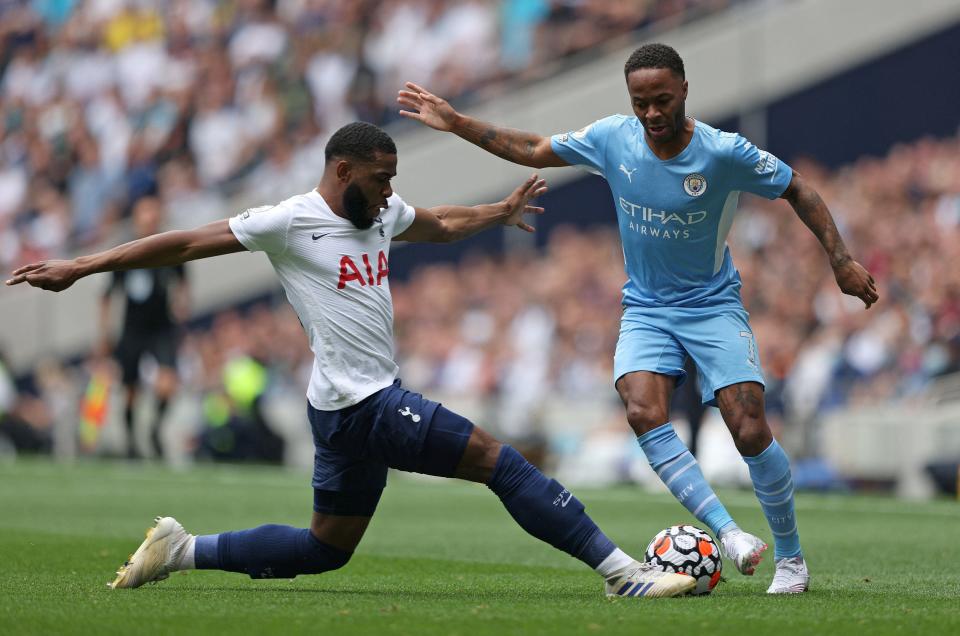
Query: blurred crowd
[[900, 216], [105, 101], [517, 330], [227, 366]]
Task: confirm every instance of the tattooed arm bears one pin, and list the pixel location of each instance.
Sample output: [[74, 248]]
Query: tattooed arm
[[521, 147], [514, 145], [852, 277]]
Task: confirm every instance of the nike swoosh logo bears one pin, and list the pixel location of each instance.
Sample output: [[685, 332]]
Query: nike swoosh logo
[[319, 236], [564, 503]]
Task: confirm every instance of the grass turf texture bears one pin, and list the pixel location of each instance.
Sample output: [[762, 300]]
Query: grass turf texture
[[444, 558]]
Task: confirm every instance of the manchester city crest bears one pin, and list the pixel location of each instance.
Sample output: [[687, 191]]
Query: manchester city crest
[[695, 184]]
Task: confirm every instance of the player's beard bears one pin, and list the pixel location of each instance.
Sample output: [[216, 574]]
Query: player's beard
[[355, 204], [676, 125], [679, 121]]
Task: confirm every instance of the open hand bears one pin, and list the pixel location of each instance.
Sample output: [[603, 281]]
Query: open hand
[[519, 199], [855, 280], [50, 275], [426, 108]]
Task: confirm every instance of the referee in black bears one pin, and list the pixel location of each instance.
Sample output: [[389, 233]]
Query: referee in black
[[156, 302]]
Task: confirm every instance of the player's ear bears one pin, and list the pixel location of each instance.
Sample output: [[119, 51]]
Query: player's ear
[[344, 170], [685, 89]]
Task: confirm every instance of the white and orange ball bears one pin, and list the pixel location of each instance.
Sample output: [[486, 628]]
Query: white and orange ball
[[687, 550]]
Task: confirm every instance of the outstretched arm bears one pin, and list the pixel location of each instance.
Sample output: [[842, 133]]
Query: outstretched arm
[[159, 250], [851, 276], [447, 223], [527, 149]]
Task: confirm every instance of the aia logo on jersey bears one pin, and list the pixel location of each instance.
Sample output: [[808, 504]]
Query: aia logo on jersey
[[349, 271]]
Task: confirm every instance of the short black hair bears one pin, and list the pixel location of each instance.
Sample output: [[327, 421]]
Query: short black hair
[[655, 56], [359, 141]]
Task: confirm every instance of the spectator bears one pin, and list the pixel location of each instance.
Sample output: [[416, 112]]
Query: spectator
[[135, 85], [24, 420]]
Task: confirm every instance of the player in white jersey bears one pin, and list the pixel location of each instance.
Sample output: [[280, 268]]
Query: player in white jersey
[[330, 248], [676, 182]]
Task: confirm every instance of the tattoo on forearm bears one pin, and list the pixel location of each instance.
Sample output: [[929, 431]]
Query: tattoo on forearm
[[530, 148], [500, 145], [506, 143], [488, 136], [814, 213]]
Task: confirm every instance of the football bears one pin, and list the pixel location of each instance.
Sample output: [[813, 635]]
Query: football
[[689, 550]]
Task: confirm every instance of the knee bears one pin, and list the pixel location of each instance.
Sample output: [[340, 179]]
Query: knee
[[486, 449], [480, 457], [334, 562], [320, 556], [511, 471], [166, 379], [644, 417], [752, 436]]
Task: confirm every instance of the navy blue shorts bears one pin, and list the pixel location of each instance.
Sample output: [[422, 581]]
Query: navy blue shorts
[[393, 428]]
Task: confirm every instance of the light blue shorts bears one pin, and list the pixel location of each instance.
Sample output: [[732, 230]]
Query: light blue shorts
[[719, 340]]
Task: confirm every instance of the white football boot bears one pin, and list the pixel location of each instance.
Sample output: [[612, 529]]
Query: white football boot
[[644, 579], [158, 555], [791, 577], [745, 550]]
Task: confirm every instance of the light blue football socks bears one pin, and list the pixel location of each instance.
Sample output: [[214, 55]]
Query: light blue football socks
[[679, 470], [773, 483]]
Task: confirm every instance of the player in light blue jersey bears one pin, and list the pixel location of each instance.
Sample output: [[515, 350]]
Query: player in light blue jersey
[[676, 183]]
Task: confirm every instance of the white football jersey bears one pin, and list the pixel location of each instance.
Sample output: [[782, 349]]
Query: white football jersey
[[336, 278]]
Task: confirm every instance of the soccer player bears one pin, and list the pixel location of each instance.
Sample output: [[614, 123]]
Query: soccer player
[[675, 183], [330, 248], [155, 303]]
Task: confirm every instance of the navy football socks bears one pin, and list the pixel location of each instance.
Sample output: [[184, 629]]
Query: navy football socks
[[268, 552], [542, 507], [547, 510]]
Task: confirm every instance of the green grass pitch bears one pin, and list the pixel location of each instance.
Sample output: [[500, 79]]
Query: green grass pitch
[[445, 558]]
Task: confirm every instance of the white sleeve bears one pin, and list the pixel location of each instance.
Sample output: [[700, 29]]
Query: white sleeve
[[263, 229], [405, 215]]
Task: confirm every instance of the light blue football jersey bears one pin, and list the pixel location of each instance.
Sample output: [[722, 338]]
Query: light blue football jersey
[[675, 215]]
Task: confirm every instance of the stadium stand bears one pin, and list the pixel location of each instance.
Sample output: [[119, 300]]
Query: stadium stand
[[461, 333], [104, 102], [246, 93]]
